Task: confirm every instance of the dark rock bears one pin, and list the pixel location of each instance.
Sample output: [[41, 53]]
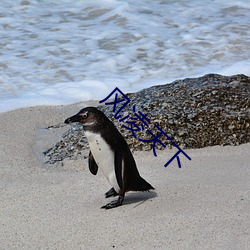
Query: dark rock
[[194, 113]]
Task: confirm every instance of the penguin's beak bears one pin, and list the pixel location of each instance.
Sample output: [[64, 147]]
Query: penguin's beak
[[74, 118]]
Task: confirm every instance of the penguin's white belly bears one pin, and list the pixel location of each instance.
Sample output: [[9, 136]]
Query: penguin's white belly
[[104, 157]]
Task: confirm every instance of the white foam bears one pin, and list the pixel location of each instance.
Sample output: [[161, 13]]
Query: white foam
[[242, 67], [61, 52]]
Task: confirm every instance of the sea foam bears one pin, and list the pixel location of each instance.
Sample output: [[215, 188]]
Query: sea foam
[[63, 52]]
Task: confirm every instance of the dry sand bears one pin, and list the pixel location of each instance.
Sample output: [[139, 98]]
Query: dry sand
[[203, 205]]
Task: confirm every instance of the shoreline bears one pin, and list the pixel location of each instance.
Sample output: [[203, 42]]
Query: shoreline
[[203, 204]]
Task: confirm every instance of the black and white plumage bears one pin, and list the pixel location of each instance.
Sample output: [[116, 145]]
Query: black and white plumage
[[110, 152]]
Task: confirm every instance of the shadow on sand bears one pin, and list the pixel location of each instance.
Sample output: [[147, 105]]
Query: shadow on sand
[[138, 198]]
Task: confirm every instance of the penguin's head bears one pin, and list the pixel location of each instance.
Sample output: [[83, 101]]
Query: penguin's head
[[88, 117]]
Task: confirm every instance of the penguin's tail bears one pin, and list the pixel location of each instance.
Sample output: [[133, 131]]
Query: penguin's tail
[[141, 185]]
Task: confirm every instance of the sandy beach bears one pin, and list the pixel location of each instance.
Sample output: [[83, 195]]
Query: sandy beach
[[203, 205]]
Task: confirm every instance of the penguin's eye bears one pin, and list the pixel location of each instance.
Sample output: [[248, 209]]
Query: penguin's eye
[[84, 115]]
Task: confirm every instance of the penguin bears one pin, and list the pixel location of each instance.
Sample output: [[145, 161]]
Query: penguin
[[110, 152]]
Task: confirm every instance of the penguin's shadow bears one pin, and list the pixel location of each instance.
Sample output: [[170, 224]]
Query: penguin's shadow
[[137, 198]]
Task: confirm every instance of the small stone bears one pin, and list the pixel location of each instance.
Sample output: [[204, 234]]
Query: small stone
[[181, 133]]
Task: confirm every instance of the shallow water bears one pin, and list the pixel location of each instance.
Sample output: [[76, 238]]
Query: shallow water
[[63, 52]]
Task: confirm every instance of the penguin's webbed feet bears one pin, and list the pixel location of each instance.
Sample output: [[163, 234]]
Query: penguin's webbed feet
[[111, 193], [113, 204]]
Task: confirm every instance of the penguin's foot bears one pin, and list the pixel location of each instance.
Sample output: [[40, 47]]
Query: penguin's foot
[[111, 193], [113, 204]]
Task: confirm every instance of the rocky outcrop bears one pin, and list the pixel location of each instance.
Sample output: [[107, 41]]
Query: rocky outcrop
[[194, 113]]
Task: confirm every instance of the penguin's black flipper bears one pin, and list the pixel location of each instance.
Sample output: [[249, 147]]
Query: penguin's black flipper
[[93, 167], [118, 166], [111, 193]]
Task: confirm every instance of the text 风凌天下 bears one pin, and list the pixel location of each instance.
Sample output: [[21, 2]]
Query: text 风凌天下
[[133, 127]]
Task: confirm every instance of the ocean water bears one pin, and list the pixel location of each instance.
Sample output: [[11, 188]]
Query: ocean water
[[61, 52]]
